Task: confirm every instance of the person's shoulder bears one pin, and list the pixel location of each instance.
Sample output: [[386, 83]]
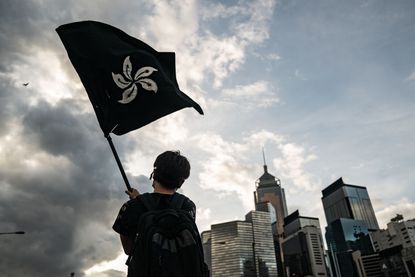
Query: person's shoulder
[[188, 203], [133, 204]]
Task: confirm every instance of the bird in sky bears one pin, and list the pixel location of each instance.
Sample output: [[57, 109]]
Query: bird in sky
[[26, 84]]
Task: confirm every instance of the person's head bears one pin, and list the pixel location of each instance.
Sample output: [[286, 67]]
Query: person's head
[[171, 169]]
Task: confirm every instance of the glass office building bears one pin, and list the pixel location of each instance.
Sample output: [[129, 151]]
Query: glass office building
[[232, 249], [350, 218], [343, 237], [242, 248], [342, 200], [264, 252]]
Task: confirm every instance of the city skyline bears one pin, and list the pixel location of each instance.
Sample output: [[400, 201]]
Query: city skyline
[[326, 87]]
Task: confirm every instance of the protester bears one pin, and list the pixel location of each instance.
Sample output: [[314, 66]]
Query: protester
[[138, 218]]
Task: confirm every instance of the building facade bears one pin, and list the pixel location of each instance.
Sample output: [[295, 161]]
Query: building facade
[[398, 232], [268, 189], [350, 218], [396, 247], [343, 237], [263, 243], [206, 237], [241, 248], [232, 249], [367, 265], [303, 246], [342, 200]]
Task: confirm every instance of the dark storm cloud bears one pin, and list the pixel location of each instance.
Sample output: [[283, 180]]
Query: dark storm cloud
[[26, 26], [55, 202], [58, 179], [66, 204], [10, 104]]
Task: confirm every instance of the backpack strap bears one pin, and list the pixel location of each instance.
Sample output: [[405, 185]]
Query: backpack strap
[[150, 205], [177, 201], [148, 201]]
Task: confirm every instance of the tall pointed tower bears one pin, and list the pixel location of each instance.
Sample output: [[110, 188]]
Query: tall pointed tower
[[268, 189]]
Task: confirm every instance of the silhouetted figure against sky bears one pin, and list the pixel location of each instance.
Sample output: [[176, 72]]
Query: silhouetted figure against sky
[[158, 229]]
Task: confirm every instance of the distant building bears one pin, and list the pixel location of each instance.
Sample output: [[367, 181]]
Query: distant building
[[303, 246], [343, 237], [232, 249], [397, 233], [242, 248], [263, 243], [396, 247], [268, 189], [350, 219], [367, 265], [267, 207]]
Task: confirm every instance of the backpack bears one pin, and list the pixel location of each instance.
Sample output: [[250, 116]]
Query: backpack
[[167, 243]]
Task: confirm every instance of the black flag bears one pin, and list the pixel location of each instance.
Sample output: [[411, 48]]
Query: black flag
[[129, 83]]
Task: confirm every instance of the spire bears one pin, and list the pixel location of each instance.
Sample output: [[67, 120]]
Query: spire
[[267, 179], [265, 163]]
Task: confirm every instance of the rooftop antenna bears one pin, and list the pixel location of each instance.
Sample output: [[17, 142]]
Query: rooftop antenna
[[265, 163]]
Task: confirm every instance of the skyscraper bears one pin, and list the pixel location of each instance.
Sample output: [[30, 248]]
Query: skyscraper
[[265, 260], [268, 189], [350, 218], [232, 249], [342, 200], [343, 237], [242, 248]]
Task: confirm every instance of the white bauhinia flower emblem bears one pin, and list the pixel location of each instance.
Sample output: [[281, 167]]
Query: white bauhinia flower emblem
[[129, 83]]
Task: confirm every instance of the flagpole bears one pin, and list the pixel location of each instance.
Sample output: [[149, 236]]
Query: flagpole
[[127, 184]]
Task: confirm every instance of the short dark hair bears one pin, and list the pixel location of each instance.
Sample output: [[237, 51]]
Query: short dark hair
[[171, 169]]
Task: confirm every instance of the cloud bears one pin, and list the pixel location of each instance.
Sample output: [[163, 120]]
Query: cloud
[[50, 85], [56, 185], [215, 11], [258, 94], [256, 29], [403, 206], [206, 54], [59, 181], [253, 30], [223, 171], [229, 169], [204, 214], [166, 18], [291, 166], [212, 56], [114, 267], [273, 56]]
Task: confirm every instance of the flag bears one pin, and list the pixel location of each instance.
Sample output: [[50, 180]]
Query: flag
[[128, 82]]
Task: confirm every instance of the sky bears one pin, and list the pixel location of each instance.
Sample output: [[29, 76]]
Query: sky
[[327, 88]]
